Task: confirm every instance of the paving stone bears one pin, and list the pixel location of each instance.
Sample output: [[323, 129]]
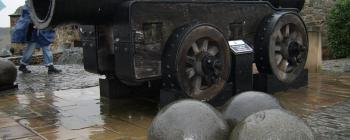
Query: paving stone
[[62, 134], [74, 123], [39, 122], [99, 133], [31, 138], [7, 122], [15, 132]]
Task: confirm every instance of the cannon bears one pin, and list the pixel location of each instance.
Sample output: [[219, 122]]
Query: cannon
[[181, 43]]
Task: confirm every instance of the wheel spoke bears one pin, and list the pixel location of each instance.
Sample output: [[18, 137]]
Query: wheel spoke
[[286, 31], [290, 68], [283, 75], [190, 60], [197, 83], [205, 45], [278, 49], [279, 36], [299, 40], [279, 58], [213, 51], [294, 35], [283, 65], [195, 48], [190, 72]]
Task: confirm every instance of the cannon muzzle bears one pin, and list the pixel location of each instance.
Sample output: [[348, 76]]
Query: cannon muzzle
[[47, 13]]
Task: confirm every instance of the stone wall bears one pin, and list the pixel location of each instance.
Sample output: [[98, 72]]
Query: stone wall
[[36, 59], [314, 14]]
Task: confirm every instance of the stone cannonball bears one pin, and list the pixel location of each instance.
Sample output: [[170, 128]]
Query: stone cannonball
[[188, 120], [8, 72], [247, 103], [273, 124]]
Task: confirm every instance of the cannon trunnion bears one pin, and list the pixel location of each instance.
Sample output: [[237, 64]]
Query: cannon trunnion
[[183, 43]]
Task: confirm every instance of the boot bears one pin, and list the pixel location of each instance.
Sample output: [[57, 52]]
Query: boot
[[51, 69], [24, 69]]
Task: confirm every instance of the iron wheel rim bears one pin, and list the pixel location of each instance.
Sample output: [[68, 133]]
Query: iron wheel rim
[[288, 48]]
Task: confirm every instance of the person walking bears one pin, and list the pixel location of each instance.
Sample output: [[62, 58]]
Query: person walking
[[25, 32]]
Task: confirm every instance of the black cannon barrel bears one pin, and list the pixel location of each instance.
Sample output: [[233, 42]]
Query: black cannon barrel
[[47, 13], [299, 4]]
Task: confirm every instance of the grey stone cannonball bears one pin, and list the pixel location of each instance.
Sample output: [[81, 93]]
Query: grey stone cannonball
[[8, 72], [188, 120], [247, 103], [273, 124]]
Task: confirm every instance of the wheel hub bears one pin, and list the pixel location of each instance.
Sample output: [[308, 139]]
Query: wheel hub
[[209, 66], [295, 50]]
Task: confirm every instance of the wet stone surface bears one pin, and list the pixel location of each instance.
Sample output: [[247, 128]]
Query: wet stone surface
[[331, 123], [337, 65], [72, 77], [323, 104], [68, 106]]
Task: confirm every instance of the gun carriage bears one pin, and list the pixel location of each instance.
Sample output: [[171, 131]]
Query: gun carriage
[[183, 43]]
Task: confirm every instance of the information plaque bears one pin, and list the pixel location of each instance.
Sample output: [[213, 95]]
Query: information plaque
[[240, 47]]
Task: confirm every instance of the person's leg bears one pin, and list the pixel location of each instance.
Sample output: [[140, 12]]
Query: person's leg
[[28, 52], [48, 57], [27, 55], [48, 60]]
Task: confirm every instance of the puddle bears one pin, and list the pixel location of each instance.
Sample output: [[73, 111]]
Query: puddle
[[81, 113]]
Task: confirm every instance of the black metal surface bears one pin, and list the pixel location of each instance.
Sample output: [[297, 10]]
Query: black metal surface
[[8, 87], [88, 42], [283, 46], [55, 12], [93, 12], [98, 50], [111, 88], [241, 72], [299, 4], [231, 13], [241, 78], [196, 61]]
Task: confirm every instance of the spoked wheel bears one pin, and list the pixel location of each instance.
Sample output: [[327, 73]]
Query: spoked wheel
[[282, 47], [196, 60]]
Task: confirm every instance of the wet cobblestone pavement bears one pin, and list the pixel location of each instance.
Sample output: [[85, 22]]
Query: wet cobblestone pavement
[[68, 106], [324, 105]]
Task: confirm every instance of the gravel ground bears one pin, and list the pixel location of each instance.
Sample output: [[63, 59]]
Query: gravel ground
[[337, 65], [72, 77]]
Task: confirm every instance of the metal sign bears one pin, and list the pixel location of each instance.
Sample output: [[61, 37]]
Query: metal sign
[[240, 47]]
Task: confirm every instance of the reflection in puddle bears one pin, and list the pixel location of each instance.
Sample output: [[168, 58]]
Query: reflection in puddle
[[82, 114]]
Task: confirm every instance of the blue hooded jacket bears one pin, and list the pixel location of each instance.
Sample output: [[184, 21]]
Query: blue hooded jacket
[[24, 31]]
